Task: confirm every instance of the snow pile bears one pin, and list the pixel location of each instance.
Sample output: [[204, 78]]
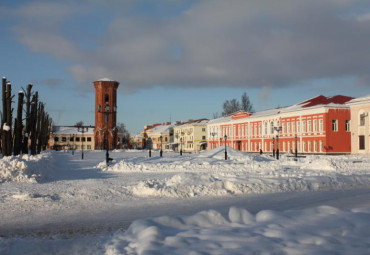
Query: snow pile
[[232, 154], [24, 168], [194, 185], [320, 230]]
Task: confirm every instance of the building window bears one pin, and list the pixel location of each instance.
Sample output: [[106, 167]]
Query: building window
[[288, 128], [335, 125], [321, 146], [298, 126], [284, 129], [293, 127], [309, 129], [265, 128], [348, 125], [362, 119], [315, 126], [64, 139], [315, 146], [71, 138], [77, 139], [321, 125], [89, 147], [272, 127], [361, 142], [309, 146], [56, 139], [89, 139], [84, 139], [203, 130], [203, 138], [304, 126], [259, 129]]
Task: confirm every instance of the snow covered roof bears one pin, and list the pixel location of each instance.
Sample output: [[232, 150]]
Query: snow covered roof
[[160, 129], [199, 122], [360, 100], [338, 101], [70, 130], [106, 79], [220, 120]]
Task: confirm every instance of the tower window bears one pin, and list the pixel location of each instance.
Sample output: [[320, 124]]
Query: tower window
[[106, 98], [99, 108]]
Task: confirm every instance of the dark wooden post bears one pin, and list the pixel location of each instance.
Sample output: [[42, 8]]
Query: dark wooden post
[[28, 120], [9, 121], [33, 123], [19, 125], [3, 119]]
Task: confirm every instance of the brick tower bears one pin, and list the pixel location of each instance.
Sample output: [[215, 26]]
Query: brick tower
[[105, 133]]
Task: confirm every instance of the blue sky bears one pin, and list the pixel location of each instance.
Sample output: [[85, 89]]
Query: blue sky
[[180, 60]]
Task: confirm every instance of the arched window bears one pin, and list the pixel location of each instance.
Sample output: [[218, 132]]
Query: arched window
[[106, 98]]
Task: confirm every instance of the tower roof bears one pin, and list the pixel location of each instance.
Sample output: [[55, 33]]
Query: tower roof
[[106, 79]]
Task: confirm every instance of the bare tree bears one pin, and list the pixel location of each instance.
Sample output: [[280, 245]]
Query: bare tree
[[234, 105], [246, 103]]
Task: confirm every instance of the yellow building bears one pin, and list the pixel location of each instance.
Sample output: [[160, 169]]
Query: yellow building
[[360, 125], [68, 138], [191, 136], [157, 133]]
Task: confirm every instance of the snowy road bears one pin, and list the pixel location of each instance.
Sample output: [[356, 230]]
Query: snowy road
[[78, 197], [69, 199]]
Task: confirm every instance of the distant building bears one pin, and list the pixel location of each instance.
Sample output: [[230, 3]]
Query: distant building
[[318, 125], [164, 132], [191, 136], [68, 138], [360, 125]]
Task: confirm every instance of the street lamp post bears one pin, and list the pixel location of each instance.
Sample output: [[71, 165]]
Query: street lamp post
[[225, 137], [180, 146], [296, 147], [213, 135], [161, 151], [150, 146], [277, 129], [273, 147], [82, 129], [278, 146]]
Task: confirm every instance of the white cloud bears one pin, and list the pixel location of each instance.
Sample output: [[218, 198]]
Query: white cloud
[[213, 43]]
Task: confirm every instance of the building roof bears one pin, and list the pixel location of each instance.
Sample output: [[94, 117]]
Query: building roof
[[199, 122], [161, 129], [360, 100], [106, 79], [338, 101], [70, 130]]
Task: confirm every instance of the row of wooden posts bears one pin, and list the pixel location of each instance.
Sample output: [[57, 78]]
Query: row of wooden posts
[[23, 138]]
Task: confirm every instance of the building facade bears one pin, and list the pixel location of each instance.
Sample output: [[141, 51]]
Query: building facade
[[360, 125], [70, 138], [191, 136], [318, 125], [105, 134], [161, 136]]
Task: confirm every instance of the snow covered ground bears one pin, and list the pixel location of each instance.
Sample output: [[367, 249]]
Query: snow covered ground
[[58, 203]]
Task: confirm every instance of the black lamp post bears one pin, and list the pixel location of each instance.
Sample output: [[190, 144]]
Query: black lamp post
[[277, 129], [296, 147], [82, 129], [150, 146], [180, 146], [273, 147], [73, 145], [278, 145], [225, 137], [213, 135], [161, 151]]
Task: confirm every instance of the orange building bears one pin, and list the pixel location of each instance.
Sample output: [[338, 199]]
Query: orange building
[[318, 125], [105, 133]]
